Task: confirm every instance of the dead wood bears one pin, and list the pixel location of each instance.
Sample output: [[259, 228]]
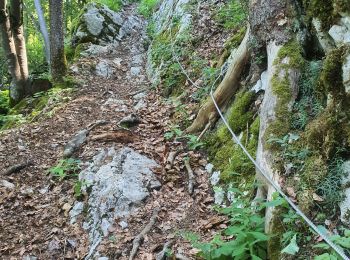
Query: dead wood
[[171, 158], [139, 238], [191, 178], [17, 167], [121, 136], [162, 254], [226, 90]]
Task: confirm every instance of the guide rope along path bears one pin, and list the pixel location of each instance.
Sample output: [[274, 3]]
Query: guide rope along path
[[267, 177]]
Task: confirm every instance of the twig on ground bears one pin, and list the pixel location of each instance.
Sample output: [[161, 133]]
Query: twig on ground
[[191, 179], [171, 158], [139, 238], [17, 167], [162, 254], [203, 132]]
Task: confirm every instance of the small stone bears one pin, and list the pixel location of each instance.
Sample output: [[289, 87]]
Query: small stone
[[215, 178], [135, 71], [29, 257], [209, 168], [53, 245], [7, 184], [123, 224], [76, 211], [72, 243]]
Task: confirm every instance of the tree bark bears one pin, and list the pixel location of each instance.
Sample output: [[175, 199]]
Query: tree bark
[[43, 29], [226, 90], [58, 63], [17, 88], [16, 13]]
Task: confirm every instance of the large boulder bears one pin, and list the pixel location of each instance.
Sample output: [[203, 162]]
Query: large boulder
[[100, 25]]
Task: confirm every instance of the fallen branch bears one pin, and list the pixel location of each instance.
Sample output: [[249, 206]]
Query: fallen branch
[[203, 132], [17, 167], [139, 238], [191, 178], [162, 254], [171, 158], [121, 136]]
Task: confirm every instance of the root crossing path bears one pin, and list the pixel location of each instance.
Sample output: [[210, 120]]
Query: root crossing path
[[87, 216]]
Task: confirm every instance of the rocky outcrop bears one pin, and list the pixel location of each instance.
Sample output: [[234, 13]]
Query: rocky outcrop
[[118, 182], [162, 19], [99, 25]]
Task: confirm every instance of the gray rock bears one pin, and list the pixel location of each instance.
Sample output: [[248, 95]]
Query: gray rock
[[345, 204], [135, 71], [341, 31], [119, 182], [29, 257], [261, 84], [346, 73], [76, 211], [215, 178], [219, 195], [7, 184], [141, 104], [53, 245], [123, 224], [75, 143], [104, 69], [100, 25]]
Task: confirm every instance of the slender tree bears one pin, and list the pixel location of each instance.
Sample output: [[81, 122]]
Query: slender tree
[[58, 62], [14, 47], [43, 29]]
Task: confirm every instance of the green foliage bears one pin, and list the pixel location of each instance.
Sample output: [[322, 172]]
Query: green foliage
[[114, 5], [4, 102], [308, 105], [244, 238], [232, 14], [65, 169], [146, 7], [176, 133]]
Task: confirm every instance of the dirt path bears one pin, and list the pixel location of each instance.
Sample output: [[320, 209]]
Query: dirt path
[[34, 220]]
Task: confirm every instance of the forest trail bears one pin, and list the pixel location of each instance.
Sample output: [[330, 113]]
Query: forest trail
[[34, 206]]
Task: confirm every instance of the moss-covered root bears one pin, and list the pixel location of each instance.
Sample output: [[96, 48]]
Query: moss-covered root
[[226, 90]]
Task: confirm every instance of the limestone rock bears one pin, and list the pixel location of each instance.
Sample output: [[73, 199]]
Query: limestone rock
[[104, 69], [326, 42], [346, 73], [341, 31], [118, 181], [345, 205], [100, 25]]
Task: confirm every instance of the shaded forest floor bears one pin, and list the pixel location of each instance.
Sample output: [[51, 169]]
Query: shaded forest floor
[[34, 218]]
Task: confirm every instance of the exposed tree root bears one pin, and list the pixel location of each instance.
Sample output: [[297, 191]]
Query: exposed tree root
[[139, 238], [162, 254], [191, 178], [171, 158], [122, 136], [226, 90]]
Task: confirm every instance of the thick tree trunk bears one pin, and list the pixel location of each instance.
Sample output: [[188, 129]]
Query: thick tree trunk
[[226, 90], [17, 88], [43, 29], [16, 13], [58, 58]]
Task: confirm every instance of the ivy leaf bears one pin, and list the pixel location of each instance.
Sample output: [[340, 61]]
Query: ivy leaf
[[292, 248], [325, 256]]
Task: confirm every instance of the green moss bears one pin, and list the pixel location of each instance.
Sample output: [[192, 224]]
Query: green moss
[[289, 57], [331, 80], [235, 40], [227, 156]]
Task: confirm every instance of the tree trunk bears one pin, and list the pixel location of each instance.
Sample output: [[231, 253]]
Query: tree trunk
[[58, 63], [17, 88], [16, 13], [43, 29], [226, 90]]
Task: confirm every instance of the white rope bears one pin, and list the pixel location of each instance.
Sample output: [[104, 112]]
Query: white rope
[[325, 237]]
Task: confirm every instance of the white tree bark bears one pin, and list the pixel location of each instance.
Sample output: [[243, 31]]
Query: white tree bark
[[43, 29]]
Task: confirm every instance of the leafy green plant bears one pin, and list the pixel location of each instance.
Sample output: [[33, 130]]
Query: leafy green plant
[[231, 14], [193, 142], [114, 5], [65, 168], [244, 238], [175, 132], [78, 185], [341, 241], [146, 7]]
